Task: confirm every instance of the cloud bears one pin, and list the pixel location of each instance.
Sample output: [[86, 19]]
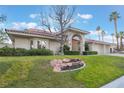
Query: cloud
[[24, 25], [85, 16], [34, 15]]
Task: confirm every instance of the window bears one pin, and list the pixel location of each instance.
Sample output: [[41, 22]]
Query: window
[[38, 45], [44, 44], [31, 44]]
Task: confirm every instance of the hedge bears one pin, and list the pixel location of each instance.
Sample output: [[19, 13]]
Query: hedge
[[90, 53], [71, 53], [23, 52]]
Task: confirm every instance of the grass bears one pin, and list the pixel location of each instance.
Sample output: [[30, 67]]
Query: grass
[[99, 70]]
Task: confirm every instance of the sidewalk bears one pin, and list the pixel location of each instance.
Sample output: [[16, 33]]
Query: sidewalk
[[118, 83]]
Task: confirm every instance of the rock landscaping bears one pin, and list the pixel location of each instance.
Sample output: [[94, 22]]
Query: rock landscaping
[[66, 64]]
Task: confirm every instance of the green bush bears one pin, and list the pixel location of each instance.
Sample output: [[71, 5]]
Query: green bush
[[90, 53], [71, 52], [23, 52], [66, 48], [40, 52]]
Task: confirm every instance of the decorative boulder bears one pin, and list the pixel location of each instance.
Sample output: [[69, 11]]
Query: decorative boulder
[[66, 64]]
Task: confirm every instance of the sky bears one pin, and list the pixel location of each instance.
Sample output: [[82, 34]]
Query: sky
[[86, 17]]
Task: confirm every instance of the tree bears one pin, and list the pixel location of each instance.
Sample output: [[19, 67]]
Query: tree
[[114, 16], [112, 37], [3, 35], [98, 29], [103, 34], [61, 16], [121, 35]]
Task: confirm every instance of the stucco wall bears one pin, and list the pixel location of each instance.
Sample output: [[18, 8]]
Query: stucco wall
[[54, 46], [100, 48], [22, 43], [25, 43]]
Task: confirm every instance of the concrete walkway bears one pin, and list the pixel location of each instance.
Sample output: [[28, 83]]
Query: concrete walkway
[[118, 83]]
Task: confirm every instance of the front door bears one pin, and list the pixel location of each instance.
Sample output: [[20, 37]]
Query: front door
[[75, 45]]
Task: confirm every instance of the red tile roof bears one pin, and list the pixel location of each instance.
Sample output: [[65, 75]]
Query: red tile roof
[[98, 42], [33, 32]]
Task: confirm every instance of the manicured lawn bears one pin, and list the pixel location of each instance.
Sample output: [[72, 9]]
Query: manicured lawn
[[35, 71]]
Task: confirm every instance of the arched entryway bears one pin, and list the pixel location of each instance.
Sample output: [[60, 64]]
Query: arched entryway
[[76, 41]]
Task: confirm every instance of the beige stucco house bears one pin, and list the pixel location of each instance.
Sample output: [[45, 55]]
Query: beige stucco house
[[75, 39]]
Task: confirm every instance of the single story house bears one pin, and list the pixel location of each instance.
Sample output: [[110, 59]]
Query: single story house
[[75, 39]]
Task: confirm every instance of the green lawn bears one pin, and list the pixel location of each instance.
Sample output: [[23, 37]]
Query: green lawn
[[35, 71]]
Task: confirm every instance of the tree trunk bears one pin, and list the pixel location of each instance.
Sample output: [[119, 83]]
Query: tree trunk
[[61, 46], [116, 33]]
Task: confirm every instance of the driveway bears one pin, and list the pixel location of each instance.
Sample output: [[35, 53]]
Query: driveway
[[118, 83]]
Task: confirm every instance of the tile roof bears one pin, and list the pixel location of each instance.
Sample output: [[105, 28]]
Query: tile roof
[[98, 42], [32, 31]]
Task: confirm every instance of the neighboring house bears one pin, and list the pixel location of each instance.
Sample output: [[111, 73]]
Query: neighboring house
[[75, 39]]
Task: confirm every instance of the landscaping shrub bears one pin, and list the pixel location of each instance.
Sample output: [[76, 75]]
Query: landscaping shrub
[[18, 71], [71, 52], [40, 52], [90, 53], [20, 52], [66, 48], [23, 52], [6, 51]]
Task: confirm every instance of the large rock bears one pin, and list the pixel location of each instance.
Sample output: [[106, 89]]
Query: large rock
[[66, 60], [65, 64]]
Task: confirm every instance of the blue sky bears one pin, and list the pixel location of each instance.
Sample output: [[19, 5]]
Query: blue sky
[[86, 17]]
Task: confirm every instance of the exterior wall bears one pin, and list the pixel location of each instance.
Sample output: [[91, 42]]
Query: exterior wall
[[54, 46], [25, 43], [100, 48], [22, 43]]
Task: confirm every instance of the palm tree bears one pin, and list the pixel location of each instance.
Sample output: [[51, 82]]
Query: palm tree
[[98, 29], [112, 37], [103, 34], [121, 35], [114, 17]]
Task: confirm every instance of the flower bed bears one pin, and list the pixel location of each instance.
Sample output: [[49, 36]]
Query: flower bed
[[66, 65]]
